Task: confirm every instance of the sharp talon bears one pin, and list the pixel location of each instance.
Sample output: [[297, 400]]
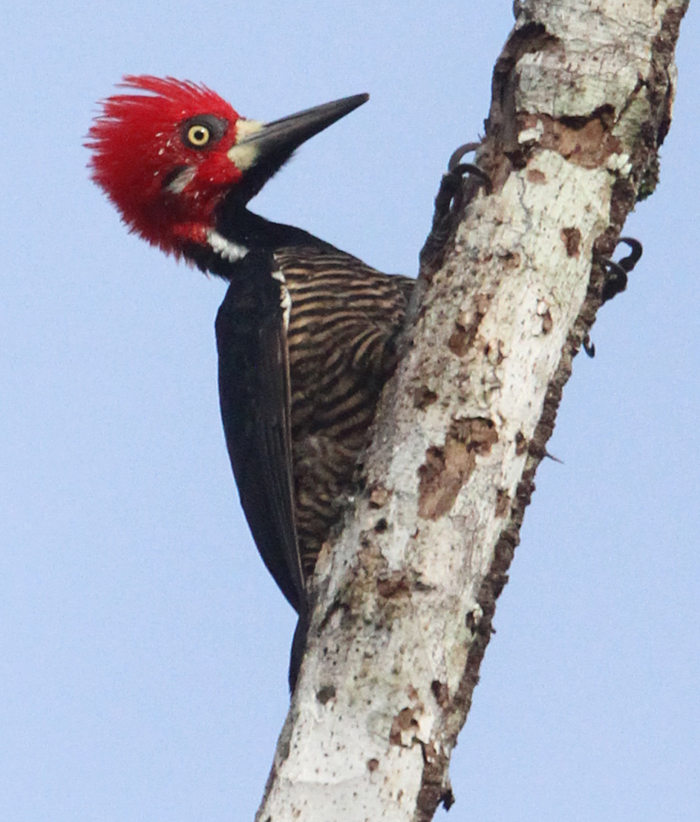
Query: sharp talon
[[628, 263], [449, 195], [617, 272], [449, 200], [458, 168], [588, 346], [457, 154], [552, 457]]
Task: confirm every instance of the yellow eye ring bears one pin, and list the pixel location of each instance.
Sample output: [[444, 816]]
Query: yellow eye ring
[[198, 135]]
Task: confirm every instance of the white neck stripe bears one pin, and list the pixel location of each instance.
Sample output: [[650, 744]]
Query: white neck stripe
[[232, 252]]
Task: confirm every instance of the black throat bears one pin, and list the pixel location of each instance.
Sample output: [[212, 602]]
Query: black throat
[[251, 232]]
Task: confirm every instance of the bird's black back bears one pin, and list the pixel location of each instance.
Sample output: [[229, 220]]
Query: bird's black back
[[306, 338]]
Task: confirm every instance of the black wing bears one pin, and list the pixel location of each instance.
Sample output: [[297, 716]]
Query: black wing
[[255, 407]]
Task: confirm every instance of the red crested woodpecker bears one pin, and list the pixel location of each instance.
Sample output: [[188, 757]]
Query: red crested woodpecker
[[306, 333]]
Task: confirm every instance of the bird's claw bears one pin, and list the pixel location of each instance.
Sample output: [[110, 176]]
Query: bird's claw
[[617, 272], [616, 280], [449, 199], [457, 169], [458, 153], [451, 183]]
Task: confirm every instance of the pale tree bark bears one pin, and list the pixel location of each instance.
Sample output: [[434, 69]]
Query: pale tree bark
[[582, 97]]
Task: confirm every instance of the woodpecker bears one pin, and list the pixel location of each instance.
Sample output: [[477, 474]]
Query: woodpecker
[[306, 333]]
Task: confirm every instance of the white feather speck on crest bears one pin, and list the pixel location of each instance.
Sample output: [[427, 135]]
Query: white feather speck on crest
[[183, 179]]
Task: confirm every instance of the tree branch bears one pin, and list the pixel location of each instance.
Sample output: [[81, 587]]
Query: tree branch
[[582, 96]]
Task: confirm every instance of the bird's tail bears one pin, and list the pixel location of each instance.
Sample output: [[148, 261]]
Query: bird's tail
[[298, 648]]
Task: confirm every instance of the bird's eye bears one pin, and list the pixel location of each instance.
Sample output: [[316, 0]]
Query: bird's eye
[[198, 136], [203, 131]]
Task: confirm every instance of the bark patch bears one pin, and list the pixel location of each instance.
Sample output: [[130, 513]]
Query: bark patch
[[572, 241], [467, 325], [325, 694], [379, 496], [404, 722], [447, 469], [502, 503], [393, 585], [423, 397], [547, 322], [441, 693], [588, 144], [534, 175]]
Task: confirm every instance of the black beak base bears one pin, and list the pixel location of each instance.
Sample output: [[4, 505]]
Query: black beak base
[[289, 133], [276, 142]]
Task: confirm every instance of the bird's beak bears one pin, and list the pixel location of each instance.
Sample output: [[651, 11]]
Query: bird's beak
[[275, 142]]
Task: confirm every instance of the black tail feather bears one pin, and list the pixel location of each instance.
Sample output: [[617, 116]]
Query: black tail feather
[[298, 648]]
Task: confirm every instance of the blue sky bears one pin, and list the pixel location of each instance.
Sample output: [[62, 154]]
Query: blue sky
[[143, 648]]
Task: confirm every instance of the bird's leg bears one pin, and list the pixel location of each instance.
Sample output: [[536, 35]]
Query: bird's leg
[[448, 202], [616, 279]]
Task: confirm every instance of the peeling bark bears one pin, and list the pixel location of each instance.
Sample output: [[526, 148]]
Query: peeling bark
[[582, 97]]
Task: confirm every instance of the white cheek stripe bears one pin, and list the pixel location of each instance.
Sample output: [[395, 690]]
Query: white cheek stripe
[[232, 252], [183, 179]]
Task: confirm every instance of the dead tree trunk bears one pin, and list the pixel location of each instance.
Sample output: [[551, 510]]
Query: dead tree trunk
[[582, 97]]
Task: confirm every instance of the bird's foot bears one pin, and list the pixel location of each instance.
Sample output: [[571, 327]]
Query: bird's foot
[[616, 279], [449, 200]]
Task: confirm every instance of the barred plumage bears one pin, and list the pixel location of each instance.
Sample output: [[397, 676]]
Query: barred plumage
[[344, 321], [300, 418]]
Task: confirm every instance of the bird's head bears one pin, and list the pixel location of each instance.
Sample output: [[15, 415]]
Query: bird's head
[[168, 153]]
